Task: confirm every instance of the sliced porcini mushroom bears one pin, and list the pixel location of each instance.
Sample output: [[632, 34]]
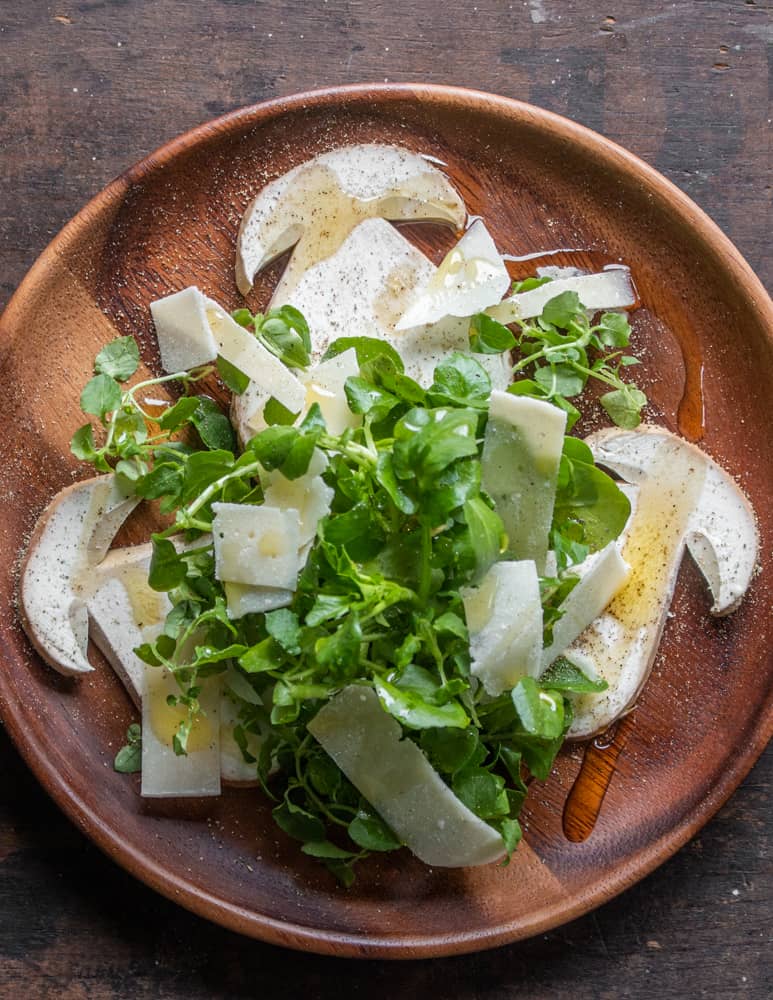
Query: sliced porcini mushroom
[[316, 205], [471, 277], [610, 289], [70, 538], [393, 774], [684, 500], [519, 468], [345, 243], [504, 618]]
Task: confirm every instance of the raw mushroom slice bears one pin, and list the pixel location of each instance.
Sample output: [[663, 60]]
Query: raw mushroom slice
[[114, 627], [519, 467], [472, 277], [504, 618], [610, 289], [400, 783], [722, 533], [683, 495], [70, 538], [315, 206], [348, 246]]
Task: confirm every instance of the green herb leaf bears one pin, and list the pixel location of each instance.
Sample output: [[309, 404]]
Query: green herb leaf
[[101, 395], [414, 712], [541, 712], [487, 336], [235, 379], [624, 406], [119, 359], [562, 675], [128, 760], [284, 627], [369, 831], [213, 425]]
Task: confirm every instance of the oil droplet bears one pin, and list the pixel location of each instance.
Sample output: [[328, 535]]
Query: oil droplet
[[599, 764], [691, 413], [165, 719]]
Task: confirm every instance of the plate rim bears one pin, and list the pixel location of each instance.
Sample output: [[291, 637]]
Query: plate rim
[[345, 944]]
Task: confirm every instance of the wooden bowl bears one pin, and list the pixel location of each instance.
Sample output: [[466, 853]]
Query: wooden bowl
[[705, 334]]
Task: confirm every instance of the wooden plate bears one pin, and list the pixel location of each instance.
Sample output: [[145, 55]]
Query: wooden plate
[[705, 333]]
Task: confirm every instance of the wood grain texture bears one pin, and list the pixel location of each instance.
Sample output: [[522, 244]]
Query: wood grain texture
[[703, 124]]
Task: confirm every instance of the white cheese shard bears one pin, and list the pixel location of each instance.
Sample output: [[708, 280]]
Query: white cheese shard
[[185, 339], [610, 289], [519, 465], [397, 779], [602, 575], [256, 545], [244, 351], [472, 277], [325, 384], [164, 773], [193, 329], [309, 495], [504, 618], [234, 769], [242, 599]]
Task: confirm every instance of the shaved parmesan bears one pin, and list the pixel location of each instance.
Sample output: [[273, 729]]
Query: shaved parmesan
[[471, 277], [612, 289], [400, 783], [309, 495], [325, 386], [185, 339], [242, 599], [166, 774], [233, 767], [504, 618], [519, 465], [256, 545], [602, 575], [245, 352]]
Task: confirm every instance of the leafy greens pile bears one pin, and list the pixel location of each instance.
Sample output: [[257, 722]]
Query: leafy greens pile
[[378, 602]]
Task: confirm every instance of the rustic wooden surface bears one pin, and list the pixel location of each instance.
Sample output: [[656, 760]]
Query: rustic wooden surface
[[89, 87]]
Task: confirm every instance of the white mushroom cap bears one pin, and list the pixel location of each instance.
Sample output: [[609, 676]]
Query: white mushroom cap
[[352, 183], [70, 538], [684, 499]]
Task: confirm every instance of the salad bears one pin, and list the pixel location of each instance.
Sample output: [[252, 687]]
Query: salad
[[390, 583]]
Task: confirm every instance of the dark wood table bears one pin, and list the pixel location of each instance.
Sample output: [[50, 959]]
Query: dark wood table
[[88, 87]]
